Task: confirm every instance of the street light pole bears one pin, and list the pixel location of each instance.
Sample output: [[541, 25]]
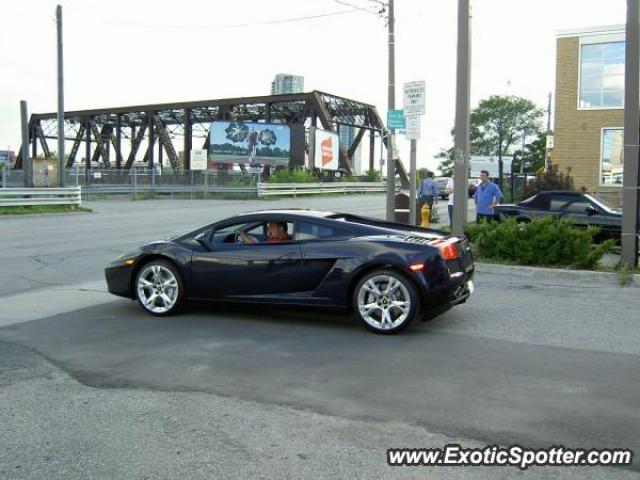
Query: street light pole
[[27, 165], [61, 162], [630, 184], [461, 136], [391, 103]]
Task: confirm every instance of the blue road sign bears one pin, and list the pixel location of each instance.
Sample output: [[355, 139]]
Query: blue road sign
[[395, 119]]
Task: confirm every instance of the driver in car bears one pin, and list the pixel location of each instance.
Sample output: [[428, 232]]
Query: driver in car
[[277, 232]]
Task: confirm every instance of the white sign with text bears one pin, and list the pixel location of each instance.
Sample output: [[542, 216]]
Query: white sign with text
[[198, 160], [414, 98]]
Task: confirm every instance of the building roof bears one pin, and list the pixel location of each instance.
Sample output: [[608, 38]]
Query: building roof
[[586, 31]]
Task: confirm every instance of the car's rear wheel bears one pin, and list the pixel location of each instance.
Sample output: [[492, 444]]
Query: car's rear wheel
[[159, 288], [385, 301]]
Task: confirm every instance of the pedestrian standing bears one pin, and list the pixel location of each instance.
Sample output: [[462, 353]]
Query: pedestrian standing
[[487, 196], [428, 192], [449, 191]]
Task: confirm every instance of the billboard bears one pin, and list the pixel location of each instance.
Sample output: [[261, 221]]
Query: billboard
[[325, 149], [249, 142]]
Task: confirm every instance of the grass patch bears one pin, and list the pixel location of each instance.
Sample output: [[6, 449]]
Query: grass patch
[[42, 209]]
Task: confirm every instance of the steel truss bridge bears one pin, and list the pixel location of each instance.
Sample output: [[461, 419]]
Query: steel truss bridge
[[116, 137]]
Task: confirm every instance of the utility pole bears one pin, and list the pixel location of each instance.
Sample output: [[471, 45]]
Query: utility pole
[[546, 148], [391, 104], [630, 184], [461, 136], [61, 161], [549, 114], [26, 157], [412, 181]]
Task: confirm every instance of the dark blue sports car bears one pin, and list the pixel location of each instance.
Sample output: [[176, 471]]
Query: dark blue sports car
[[387, 273]]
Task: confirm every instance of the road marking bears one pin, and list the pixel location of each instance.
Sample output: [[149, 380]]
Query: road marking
[[24, 307]]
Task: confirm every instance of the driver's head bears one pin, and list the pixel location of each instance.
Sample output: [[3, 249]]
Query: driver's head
[[277, 229]]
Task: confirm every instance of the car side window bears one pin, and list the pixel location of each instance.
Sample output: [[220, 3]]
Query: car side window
[[316, 231], [259, 233], [579, 206], [539, 202], [226, 233], [560, 202]]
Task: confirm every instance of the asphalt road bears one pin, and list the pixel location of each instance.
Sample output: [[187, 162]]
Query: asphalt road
[[249, 392]]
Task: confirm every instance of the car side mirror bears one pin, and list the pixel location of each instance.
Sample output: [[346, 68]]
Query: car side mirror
[[590, 210], [201, 238]]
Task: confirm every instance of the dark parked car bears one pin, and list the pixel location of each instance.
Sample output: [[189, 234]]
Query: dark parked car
[[387, 273], [584, 208]]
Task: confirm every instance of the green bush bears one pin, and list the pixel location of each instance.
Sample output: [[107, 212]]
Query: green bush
[[297, 175], [544, 241], [372, 176]]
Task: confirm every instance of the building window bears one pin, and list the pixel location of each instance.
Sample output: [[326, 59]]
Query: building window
[[602, 75], [611, 160]]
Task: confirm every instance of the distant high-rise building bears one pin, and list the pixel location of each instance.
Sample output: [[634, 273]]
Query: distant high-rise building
[[286, 83]]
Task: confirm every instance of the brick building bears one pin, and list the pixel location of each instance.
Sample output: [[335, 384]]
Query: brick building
[[589, 108]]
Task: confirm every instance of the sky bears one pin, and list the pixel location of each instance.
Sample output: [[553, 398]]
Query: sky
[[123, 52]]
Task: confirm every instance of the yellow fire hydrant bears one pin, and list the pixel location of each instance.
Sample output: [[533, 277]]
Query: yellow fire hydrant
[[425, 213]]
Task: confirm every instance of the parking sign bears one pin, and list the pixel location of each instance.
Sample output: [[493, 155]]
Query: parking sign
[[414, 98]]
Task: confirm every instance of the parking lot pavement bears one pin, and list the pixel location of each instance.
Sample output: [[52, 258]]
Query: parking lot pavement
[[221, 392], [58, 428], [481, 373]]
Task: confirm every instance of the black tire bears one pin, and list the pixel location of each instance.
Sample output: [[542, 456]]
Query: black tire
[[178, 296], [363, 295]]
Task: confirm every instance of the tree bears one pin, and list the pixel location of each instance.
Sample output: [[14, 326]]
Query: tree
[[533, 154], [498, 122], [446, 162], [554, 179]]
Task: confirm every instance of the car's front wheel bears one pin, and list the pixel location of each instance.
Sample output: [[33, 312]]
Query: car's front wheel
[[385, 301], [159, 288]]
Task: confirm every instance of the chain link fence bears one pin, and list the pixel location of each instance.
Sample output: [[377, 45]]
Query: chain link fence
[[191, 183]]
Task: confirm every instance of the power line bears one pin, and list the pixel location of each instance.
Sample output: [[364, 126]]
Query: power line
[[378, 12], [239, 25]]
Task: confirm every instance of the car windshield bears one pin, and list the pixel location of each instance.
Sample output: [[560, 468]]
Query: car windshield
[[603, 204]]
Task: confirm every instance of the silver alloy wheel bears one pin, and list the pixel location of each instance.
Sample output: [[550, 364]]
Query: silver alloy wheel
[[157, 288], [384, 302]]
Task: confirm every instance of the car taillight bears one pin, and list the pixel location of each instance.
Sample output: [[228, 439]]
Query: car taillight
[[448, 250]]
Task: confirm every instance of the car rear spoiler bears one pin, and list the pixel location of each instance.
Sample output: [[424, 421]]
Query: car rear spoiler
[[384, 224]]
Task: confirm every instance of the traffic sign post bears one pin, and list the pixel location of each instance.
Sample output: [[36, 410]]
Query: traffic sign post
[[414, 108]]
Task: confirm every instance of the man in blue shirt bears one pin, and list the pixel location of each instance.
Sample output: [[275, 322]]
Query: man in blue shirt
[[487, 195], [428, 191]]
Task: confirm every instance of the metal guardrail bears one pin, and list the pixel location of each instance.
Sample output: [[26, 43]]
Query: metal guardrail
[[261, 190], [11, 197], [163, 189], [294, 189]]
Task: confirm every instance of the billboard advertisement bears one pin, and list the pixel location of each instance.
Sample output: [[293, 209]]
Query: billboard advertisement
[[249, 142], [325, 149]]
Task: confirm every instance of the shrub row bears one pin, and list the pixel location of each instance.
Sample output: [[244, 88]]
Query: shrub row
[[544, 241]]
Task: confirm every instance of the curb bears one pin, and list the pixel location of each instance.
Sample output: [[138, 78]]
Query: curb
[[607, 278]]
